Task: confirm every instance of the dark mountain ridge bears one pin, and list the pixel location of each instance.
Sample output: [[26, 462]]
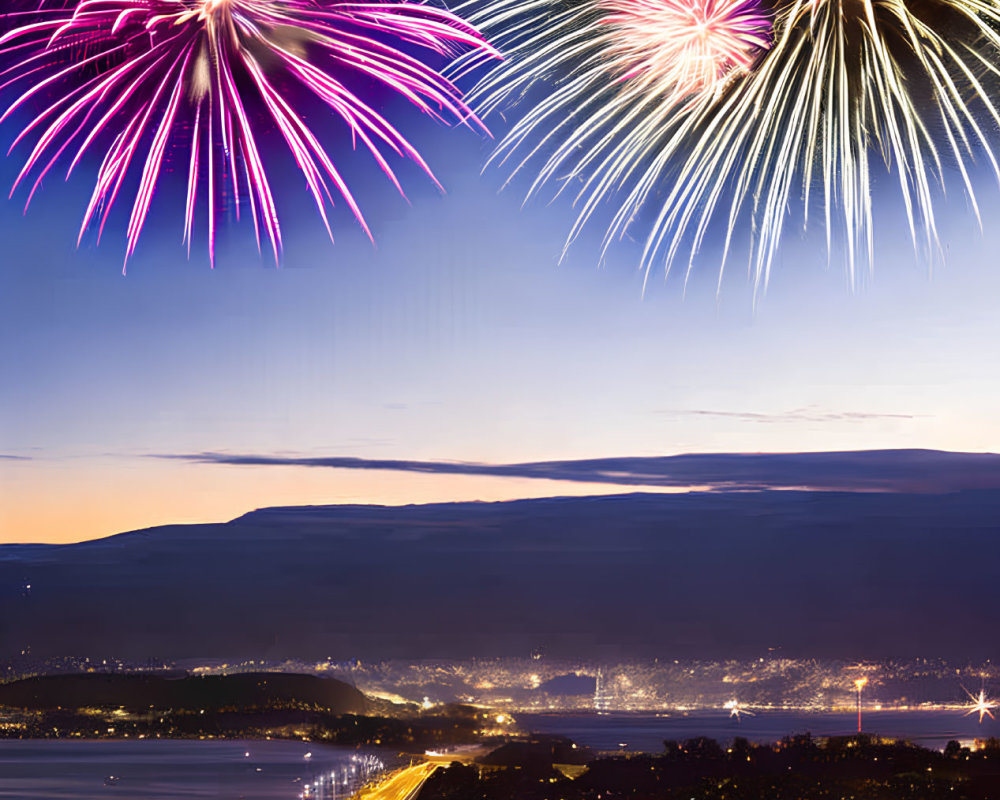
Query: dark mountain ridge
[[822, 574]]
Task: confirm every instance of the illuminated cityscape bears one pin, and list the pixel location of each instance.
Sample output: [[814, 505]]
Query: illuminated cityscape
[[539, 684]]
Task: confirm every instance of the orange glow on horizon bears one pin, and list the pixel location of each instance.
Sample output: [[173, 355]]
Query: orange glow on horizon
[[71, 500]]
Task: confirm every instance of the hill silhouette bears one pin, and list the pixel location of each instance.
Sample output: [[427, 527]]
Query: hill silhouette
[[137, 692]]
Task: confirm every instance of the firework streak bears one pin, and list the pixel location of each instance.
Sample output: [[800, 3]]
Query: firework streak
[[137, 79], [694, 113]]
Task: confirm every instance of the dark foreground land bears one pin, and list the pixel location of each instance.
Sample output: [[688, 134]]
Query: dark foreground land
[[244, 706], [799, 768], [275, 705]]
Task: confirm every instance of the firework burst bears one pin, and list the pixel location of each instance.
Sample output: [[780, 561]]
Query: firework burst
[[677, 48], [798, 104], [136, 79]]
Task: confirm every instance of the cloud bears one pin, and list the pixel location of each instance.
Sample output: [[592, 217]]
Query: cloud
[[807, 414], [9, 457], [867, 470]]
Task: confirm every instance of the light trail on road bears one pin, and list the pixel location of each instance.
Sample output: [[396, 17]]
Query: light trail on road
[[400, 785]]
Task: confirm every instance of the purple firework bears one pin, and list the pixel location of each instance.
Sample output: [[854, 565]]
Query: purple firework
[[132, 77]]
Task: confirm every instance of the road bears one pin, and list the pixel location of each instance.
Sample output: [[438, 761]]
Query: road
[[403, 784]]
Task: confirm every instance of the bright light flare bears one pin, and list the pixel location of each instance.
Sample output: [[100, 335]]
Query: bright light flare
[[980, 704], [141, 80], [735, 709]]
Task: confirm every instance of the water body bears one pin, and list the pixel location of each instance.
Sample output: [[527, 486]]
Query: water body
[[646, 732], [164, 769], [160, 769]]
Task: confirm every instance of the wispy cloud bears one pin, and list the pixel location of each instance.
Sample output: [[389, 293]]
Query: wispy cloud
[[868, 470], [807, 414], [10, 457]]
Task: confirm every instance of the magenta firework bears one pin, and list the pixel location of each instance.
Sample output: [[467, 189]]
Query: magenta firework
[[139, 81]]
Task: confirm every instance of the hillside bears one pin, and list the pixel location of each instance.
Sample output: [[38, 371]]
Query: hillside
[[824, 574], [138, 693]]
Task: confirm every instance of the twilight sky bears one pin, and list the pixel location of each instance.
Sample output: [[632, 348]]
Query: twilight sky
[[458, 337]]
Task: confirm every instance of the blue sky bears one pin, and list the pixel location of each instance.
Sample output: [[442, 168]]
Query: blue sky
[[458, 336]]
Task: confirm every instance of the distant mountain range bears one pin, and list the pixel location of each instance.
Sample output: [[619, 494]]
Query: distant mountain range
[[824, 574]]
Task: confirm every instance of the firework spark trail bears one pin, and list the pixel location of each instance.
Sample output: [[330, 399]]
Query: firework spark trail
[[809, 106], [199, 75]]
